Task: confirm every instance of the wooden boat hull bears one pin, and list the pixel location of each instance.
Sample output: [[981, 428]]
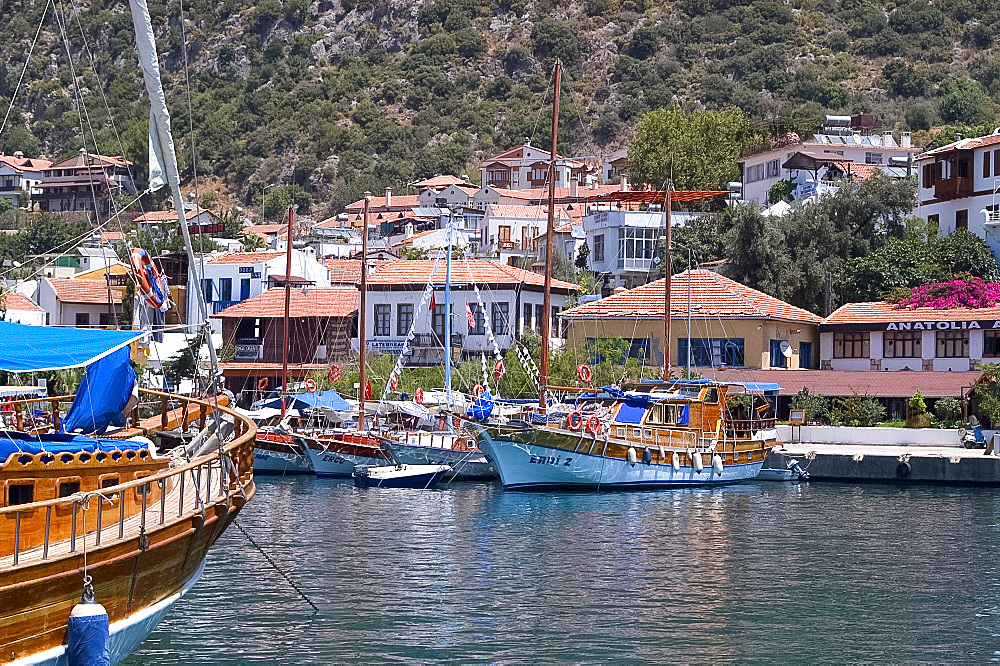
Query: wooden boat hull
[[336, 456], [533, 465]]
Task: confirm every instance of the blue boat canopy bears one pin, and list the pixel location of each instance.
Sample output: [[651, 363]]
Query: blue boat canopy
[[26, 348], [328, 399], [19, 442]]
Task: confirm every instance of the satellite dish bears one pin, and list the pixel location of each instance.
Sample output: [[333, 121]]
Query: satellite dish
[[786, 349]]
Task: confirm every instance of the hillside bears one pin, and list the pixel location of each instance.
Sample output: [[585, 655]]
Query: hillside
[[339, 96]]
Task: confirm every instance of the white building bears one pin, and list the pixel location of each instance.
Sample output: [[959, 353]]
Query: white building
[[94, 258], [21, 310], [507, 231], [959, 188], [838, 142], [79, 303], [623, 244], [164, 222], [512, 302], [20, 177], [527, 167], [615, 166], [233, 277]]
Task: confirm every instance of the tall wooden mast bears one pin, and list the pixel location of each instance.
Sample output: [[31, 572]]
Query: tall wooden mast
[[288, 293], [543, 379], [667, 271], [363, 315]]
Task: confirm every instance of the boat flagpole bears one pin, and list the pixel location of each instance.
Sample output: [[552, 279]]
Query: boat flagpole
[[543, 379], [667, 270], [447, 313], [288, 294], [363, 315], [688, 359]]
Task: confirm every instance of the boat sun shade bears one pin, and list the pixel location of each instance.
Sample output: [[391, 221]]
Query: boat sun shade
[[26, 348]]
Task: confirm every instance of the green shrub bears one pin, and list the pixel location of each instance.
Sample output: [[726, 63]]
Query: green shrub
[[917, 404], [817, 407], [857, 411], [948, 409]]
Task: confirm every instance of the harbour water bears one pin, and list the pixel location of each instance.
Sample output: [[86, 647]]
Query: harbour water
[[759, 572]]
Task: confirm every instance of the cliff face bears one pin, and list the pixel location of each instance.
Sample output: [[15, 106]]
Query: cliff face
[[339, 96]]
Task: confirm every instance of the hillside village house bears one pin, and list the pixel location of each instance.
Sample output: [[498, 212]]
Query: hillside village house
[[732, 325], [527, 167], [615, 166], [20, 309], [841, 140], [79, 303], [322, 324], [512, 302], [164, 222], [84, 182], [877, 336], [232, 277], [20, 177], [511, 230], [959, 188], [96, 257]]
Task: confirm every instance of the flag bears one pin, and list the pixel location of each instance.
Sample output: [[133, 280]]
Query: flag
[[433, 302], [468, 315]]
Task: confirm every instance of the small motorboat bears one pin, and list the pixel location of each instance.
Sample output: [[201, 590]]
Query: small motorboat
[[399, 476]]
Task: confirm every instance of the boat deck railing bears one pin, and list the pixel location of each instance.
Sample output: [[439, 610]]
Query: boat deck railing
[[166, 496]]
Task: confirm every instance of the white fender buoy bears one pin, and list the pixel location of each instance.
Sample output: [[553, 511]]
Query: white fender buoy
[[696, 459], [663, 454], [717, 464], [630, 456], [675, 462], [88, 633]]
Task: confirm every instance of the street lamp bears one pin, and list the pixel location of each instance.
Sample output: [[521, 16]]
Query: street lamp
[[262, 191]]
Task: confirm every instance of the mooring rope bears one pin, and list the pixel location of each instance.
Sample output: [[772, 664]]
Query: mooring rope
[[275, 566]]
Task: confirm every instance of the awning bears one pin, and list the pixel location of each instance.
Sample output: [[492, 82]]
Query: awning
[[23, 391], [26, 348], [328, 399]]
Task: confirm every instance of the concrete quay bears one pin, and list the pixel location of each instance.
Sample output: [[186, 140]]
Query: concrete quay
[[889, 464]]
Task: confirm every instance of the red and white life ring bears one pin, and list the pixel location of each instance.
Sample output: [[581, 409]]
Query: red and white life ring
[[311, 385], [262, 384], [418, 396], [574, 420], [334, 373], [498, 371], [593, 424], [477, 390], [585, 374], [148, 278]]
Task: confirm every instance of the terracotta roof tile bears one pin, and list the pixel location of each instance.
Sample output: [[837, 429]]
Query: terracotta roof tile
[[963, 144], [329, 302], [12, 300], [378, 203], [538, 212], [440, 181], [467, 271], [237, 257], [69, 290], [712, 295], [170, 215], [880, 312]]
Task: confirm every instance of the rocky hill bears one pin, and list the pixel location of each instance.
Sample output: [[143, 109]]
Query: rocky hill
[[339, 96]]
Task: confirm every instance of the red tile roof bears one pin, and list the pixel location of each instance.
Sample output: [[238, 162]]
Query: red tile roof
[[712, 295], [859, 171], [541, 193], [328, 302], [22, 164], [97, 161], [170, 215], [881, 384], [344, 271], [539, 212], [440, 181], [237, 257], [254, 369], [12, 300], [963, 144], [466, 271], [880, 312], [110, 236], [378, 203], [69, 290]]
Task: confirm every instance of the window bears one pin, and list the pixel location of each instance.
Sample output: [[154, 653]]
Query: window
[[437, 321], [206, 288], [850, 345], [67, 488], [478, 316], [711, 351], [773, 168], [873, 158], [382, 318], [962, 219], [991, 344], [931, 174], [83, 319], [777, 358], [933, 225], [526, 322], [501, 314], [554, 323], [963, 168], [225, 289], [805, 354], [996, 162], [404, 318], [986, 164], [108, 482], [952, 344], [901, 344], [637, 244], [599, 247], [244, 289], [20, 493], [106, 319], [539, 313]]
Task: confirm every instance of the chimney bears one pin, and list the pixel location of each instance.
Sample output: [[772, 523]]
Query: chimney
[[904, 140], [574, 185], [887, 139], [388, 197], [623, 186], [465, 177]]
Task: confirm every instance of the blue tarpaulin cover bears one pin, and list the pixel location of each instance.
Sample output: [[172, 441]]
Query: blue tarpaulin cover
[[102, 395], [19, 442], [38, 348], [329, 399], [482, 407], [631, 411]]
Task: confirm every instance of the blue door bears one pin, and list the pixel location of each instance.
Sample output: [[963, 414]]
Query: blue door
[[777, 358], [805, 354], [244, 289]]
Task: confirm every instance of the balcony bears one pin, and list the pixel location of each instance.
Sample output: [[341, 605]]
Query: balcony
[[219, 306]]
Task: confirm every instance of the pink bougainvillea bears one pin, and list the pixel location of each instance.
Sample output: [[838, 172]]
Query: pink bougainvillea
[[964, 291]]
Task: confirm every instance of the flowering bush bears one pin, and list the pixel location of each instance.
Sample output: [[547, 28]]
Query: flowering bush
[[964, 291], [857, 410]]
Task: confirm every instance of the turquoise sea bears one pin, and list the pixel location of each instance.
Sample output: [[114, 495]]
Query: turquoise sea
[[761, 572]]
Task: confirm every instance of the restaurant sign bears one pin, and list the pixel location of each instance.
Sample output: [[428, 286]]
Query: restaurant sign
[[915, 326]]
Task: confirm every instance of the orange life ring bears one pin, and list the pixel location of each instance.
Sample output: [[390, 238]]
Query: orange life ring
[[334, 373], [498, 371], [593, 424], [418, 396], [148, 277], [477, 390], [585, 374], [574, 424], [311, 385], [262, 384]]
